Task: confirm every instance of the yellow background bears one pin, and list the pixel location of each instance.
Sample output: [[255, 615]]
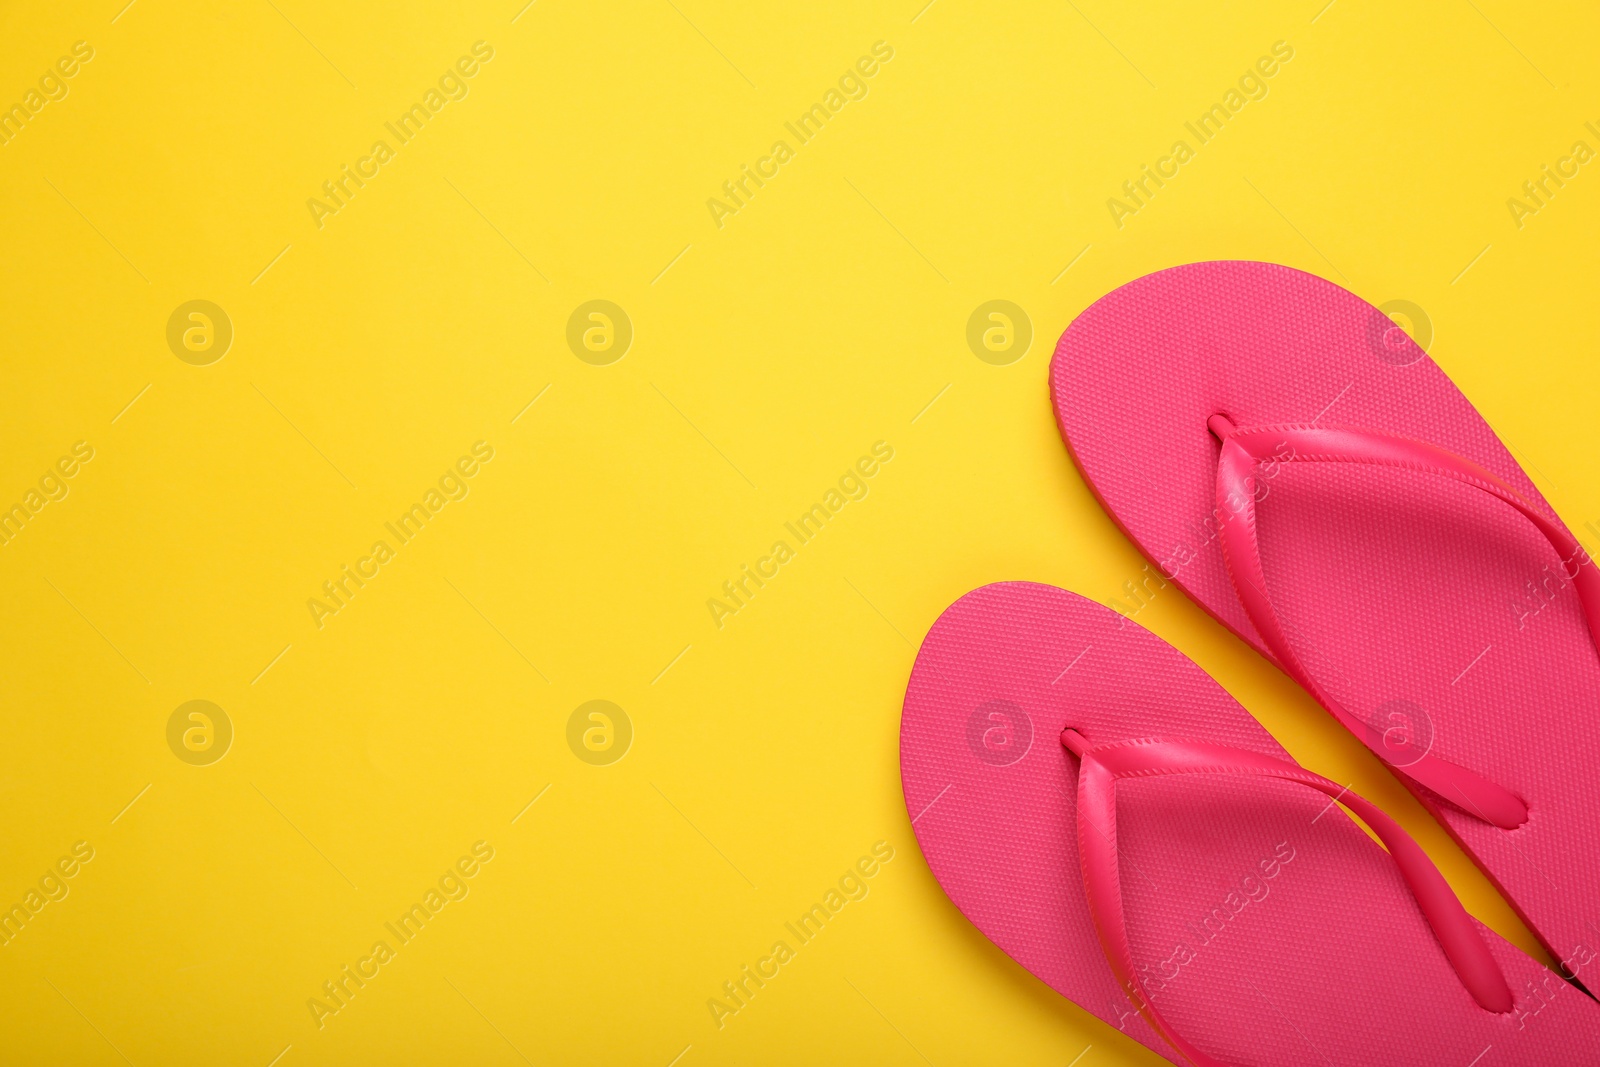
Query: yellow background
[[767, 356]]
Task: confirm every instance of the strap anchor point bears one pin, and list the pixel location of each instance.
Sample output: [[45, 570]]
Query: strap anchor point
[[1221, 427], [1073, 740]]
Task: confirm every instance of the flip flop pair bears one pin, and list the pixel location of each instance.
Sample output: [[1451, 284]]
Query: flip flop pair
[[1104, 812]]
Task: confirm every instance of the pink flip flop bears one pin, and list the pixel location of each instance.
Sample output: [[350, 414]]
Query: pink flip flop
[[1104, 812], [1289, 457]]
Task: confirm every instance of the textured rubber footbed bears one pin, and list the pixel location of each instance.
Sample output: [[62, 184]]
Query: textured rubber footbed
[[1269, 928], [1420, 604]]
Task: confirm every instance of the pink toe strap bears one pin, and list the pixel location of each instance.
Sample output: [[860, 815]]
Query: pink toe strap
[[1245, 450], [1101, 767]]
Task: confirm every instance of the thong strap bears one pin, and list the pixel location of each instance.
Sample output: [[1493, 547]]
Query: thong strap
[[1246, 449], [1102, 766]]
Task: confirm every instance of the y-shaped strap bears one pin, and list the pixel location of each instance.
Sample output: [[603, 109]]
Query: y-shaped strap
[[1102, 765], [1243, 450]]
